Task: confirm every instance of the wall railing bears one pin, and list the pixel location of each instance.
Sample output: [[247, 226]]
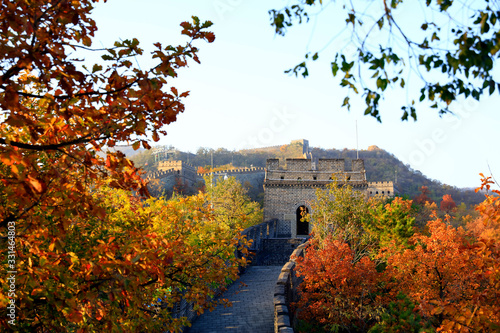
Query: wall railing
[[285, 293]]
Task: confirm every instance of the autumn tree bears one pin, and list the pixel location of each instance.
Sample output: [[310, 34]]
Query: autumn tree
[[180, 187], [339, 211], [444, 279], [339, 290], [423, 197], [447, 204], [450, 47], [58, 113], [390, 222], [231, 204], [452, 279], [124, 270]]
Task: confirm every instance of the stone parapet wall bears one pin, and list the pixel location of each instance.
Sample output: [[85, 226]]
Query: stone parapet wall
[[176, 165], [324, 170], [332, 165], [161, 174], [381, 188], [285, 293], [259, 232], [235, 172]]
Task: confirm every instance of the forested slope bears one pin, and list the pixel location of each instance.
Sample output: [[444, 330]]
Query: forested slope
[[380, 165]]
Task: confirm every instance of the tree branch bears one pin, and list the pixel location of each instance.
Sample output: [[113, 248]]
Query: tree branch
[[85, 139]]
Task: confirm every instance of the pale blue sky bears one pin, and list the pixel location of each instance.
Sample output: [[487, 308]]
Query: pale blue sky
[[241, 98]]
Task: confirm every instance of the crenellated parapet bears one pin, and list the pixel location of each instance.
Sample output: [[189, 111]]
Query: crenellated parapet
[[161, 174], [382, 188], [235, 172], [310, 172], [176, 165]]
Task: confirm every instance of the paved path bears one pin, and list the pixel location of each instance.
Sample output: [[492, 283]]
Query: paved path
[[252, 309]]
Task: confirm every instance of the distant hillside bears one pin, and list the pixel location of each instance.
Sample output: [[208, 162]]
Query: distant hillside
[[380, 165]]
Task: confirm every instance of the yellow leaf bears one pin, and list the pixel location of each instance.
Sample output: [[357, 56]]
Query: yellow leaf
[[36, 291], [35, 184]]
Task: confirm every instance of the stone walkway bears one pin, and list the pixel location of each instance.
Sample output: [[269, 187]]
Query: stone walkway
[[252, 309]]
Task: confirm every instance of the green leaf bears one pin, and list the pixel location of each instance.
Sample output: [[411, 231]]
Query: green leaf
[[96, 68], [335, 68], [380, 23], [346, 101]]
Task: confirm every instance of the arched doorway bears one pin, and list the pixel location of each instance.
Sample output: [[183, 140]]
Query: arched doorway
[[302, 226]]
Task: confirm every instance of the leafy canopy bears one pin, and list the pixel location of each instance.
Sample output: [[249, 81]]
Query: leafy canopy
[[450, 52], [446, 280], [88, 258], [231, 204]]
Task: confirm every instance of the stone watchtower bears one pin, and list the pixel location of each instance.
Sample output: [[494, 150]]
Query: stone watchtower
[[184, 172], [290, 189]]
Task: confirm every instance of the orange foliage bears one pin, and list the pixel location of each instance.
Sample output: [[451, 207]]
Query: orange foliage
[[77, 269], [335, 291], [446, 275], [449, 279], [423, 197], [448, 204]]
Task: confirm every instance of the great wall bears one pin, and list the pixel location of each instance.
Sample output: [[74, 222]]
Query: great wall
[[271, 283]]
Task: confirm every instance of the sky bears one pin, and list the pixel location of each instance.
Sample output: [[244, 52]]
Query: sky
[[241, 97]]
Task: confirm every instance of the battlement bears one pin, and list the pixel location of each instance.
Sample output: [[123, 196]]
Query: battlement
[[161, 174], [386, 188], [330, 165], [302, 171], [235, 171], [387, 183], [177, 165]]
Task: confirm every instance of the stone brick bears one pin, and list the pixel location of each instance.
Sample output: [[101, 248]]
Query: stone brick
[[279, 289], [283, 278], [281, 309], [288, 266], [279, 300], [283, 321]]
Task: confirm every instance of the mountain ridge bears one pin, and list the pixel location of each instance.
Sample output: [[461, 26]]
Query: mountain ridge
[[380, 165]]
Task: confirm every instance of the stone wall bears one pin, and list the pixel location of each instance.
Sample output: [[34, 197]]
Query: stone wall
[[381, 188], [285, 293], [321, 171], [174, 172], [286, 188], [284, 200]]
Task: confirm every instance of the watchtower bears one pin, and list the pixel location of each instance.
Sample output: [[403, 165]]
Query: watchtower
[[289, 190]]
